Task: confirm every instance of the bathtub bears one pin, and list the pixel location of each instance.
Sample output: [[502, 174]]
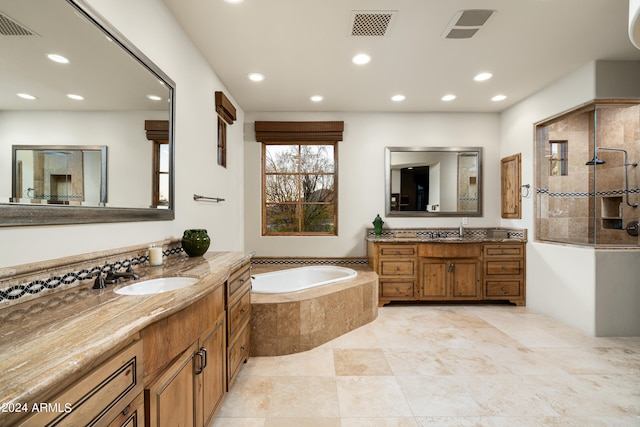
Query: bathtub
[[298, 279]]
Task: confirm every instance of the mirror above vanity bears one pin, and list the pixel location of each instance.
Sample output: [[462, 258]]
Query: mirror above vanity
[[433, 181], [73, 89]]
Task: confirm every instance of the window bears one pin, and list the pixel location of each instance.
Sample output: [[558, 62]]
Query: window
[[161, 173], [299, 189], [158, 132], [558, 160]]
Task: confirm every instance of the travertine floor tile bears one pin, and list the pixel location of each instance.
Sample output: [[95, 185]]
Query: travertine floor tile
[[360, 362], [371, 397], [429, 365], [301, 397]]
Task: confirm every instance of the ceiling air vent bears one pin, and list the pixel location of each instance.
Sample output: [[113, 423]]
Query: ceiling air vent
[[9, 27], [371, 23], [466, 23]]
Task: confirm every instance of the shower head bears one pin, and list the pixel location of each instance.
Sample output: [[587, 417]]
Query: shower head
[[595, 161]]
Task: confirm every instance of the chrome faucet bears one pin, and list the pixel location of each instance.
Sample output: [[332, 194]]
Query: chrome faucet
[[461, 230]]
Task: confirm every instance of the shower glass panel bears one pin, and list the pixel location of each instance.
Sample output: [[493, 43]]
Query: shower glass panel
[[588, 177]]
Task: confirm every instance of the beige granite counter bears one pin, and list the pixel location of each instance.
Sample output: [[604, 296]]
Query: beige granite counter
[[448, 235], [52, 341]]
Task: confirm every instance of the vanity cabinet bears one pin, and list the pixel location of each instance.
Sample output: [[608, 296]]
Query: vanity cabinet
[[238, 298], [504, 272], [450, 271], [186, 363], [397, 267], [109, 395]]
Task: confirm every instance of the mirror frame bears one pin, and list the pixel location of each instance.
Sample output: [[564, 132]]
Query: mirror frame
[[29, 215], [387, 182]]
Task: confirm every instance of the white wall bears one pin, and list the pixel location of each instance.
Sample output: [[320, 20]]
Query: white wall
[[361, 175], [129, 152], [150, 26]]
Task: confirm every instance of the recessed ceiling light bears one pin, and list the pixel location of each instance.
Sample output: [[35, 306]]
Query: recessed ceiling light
[[58, 58], [499, 98], [26, 96], [398, 98], [75, 97], [233, 1], [154, 97], [449, 97], [361, 59], [256, 77], [482, 77], [317, 98]]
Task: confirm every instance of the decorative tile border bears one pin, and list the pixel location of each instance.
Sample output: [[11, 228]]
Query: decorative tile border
[[426, 233], [46, 280], [587, 194]]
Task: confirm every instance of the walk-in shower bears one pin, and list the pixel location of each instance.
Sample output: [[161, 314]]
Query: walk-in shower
[[587, 192]]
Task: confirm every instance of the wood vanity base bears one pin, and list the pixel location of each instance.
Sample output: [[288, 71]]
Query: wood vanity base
[[447, 271]]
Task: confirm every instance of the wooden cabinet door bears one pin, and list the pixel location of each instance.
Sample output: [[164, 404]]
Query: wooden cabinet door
[[170, 399], [211, 381], [510, 179], [465, 279], [433, 283]]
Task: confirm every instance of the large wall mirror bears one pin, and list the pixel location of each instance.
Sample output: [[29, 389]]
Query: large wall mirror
[[73, 90], [433, 181]]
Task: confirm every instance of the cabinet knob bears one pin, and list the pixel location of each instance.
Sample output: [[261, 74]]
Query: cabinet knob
[[126, 410], [242, 347], [242, 310]]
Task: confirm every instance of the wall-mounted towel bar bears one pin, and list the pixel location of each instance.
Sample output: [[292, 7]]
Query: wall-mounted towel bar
[[208, 199]]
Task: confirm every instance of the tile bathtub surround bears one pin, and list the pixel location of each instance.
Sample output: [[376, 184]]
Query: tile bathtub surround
[[26, 282], [437, 365], [299, 321]]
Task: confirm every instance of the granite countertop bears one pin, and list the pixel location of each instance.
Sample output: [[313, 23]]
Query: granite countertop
[[52, 341], [423, 239]]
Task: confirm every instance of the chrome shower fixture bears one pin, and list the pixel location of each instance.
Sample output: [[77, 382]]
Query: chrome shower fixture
[[596, 161]]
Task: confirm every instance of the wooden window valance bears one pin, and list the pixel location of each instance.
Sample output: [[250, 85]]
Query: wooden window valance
[[157, 130], [298, 131], [225, 108]]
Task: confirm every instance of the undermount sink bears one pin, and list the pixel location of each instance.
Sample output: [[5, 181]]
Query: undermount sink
[[157, 286]]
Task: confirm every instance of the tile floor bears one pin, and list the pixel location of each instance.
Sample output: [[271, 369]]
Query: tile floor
[[445, 366]]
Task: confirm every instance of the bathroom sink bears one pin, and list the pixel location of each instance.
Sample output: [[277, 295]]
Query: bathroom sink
[[157, 286]]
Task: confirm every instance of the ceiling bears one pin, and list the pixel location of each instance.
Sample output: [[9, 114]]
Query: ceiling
[[304, 48], [107, 77]]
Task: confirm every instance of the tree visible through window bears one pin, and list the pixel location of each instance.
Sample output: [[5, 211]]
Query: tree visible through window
[[299, 189]]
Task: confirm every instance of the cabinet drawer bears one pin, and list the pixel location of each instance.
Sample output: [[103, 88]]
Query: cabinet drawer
[[238, 353], [397, 267], [239, 314], [499, 288], [397, 250], [132, 415], [450, 250], [503, 268], [237, 281], [493, 250], [396, 289], [101, 395]]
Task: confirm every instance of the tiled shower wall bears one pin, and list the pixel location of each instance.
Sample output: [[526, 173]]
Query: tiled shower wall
[[567, 211]]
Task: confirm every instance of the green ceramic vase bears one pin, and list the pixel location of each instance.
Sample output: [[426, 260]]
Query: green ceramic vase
[[195, 242]]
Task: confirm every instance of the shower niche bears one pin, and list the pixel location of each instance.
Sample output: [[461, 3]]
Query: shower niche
[[587, 175]]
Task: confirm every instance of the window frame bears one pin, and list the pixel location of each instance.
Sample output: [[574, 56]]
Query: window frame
[[562, 157], [299, 203]]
